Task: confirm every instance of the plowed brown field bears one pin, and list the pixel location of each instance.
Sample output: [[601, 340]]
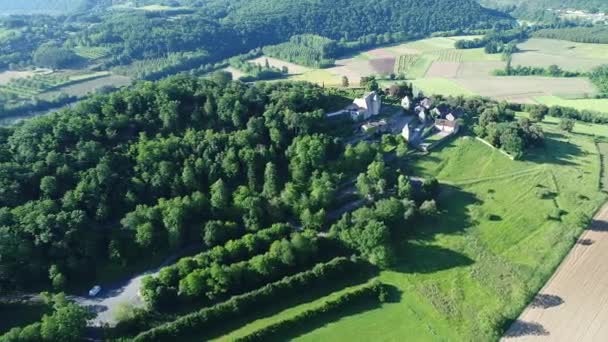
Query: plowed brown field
[[573, 305]]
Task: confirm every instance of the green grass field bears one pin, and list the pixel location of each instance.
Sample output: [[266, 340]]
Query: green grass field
[[441, 86], [92, 53], [504, 227], [478, 263], [318, 76], [598, 105], [567, 55]]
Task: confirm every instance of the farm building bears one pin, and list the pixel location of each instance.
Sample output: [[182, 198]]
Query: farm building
[[362, 108], [447, 126], [365, 107], [375, 127]]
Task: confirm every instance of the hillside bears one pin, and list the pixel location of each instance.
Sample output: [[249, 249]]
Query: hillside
[[351, 19]]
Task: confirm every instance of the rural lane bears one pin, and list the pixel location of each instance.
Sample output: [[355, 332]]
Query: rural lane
[[573, 305], [111, 297]]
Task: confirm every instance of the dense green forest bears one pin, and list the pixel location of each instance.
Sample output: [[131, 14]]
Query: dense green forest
[[309, 50], [594, 34]]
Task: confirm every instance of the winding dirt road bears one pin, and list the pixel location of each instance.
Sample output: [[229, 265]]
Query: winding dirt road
[[573, 305]]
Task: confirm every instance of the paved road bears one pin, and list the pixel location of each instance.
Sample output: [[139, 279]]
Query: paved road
[[107, 303], [573, 305]]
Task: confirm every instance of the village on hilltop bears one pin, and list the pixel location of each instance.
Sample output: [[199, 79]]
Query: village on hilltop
[[424, 124]]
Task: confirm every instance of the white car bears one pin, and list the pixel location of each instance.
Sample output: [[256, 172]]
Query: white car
[[95, 291]]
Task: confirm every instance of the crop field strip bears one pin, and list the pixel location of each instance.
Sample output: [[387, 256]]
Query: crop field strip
[[37, 84]]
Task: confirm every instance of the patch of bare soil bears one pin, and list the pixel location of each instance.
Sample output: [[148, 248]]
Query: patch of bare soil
[[573, 305], [383, 65], [443, 69]]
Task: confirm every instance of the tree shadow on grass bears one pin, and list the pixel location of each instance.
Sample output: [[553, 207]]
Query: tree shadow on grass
[[307, 325], [310, 294], [454, 204], [417, 258], [555, 151]]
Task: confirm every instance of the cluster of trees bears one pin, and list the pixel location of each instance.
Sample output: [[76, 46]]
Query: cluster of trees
[[599, 76], [255, 72], [67, 322], [54, 57], [581, 34], [207, 318], [498, 126], [24, 34], [368, 230], [307, 49], [551, 71], [162, 158]]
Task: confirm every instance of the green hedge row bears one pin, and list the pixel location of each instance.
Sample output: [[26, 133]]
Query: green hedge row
[[232, 251], [370, 291], [238, 305]]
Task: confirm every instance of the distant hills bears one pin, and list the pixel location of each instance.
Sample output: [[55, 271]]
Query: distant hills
[[354, 18], [54, 7]]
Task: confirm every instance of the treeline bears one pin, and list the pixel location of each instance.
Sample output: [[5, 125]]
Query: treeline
[[551, 71], [308, 49], [496, 41], [561, 112], [208, 318], [163, 291], [582, 34]]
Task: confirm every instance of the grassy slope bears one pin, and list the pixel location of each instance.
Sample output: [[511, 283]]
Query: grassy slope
[[493, 246]]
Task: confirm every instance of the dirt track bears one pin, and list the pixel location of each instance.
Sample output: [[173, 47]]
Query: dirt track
[[573, 305]]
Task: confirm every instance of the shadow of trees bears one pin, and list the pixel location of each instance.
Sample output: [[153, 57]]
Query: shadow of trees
[[320, 321], [312, 293], [417, 258], [522, 328], [598, 226], [546, 301], [555, 151], [585, 242]]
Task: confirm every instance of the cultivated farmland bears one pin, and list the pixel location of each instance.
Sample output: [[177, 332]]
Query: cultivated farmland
[[567, 55]]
